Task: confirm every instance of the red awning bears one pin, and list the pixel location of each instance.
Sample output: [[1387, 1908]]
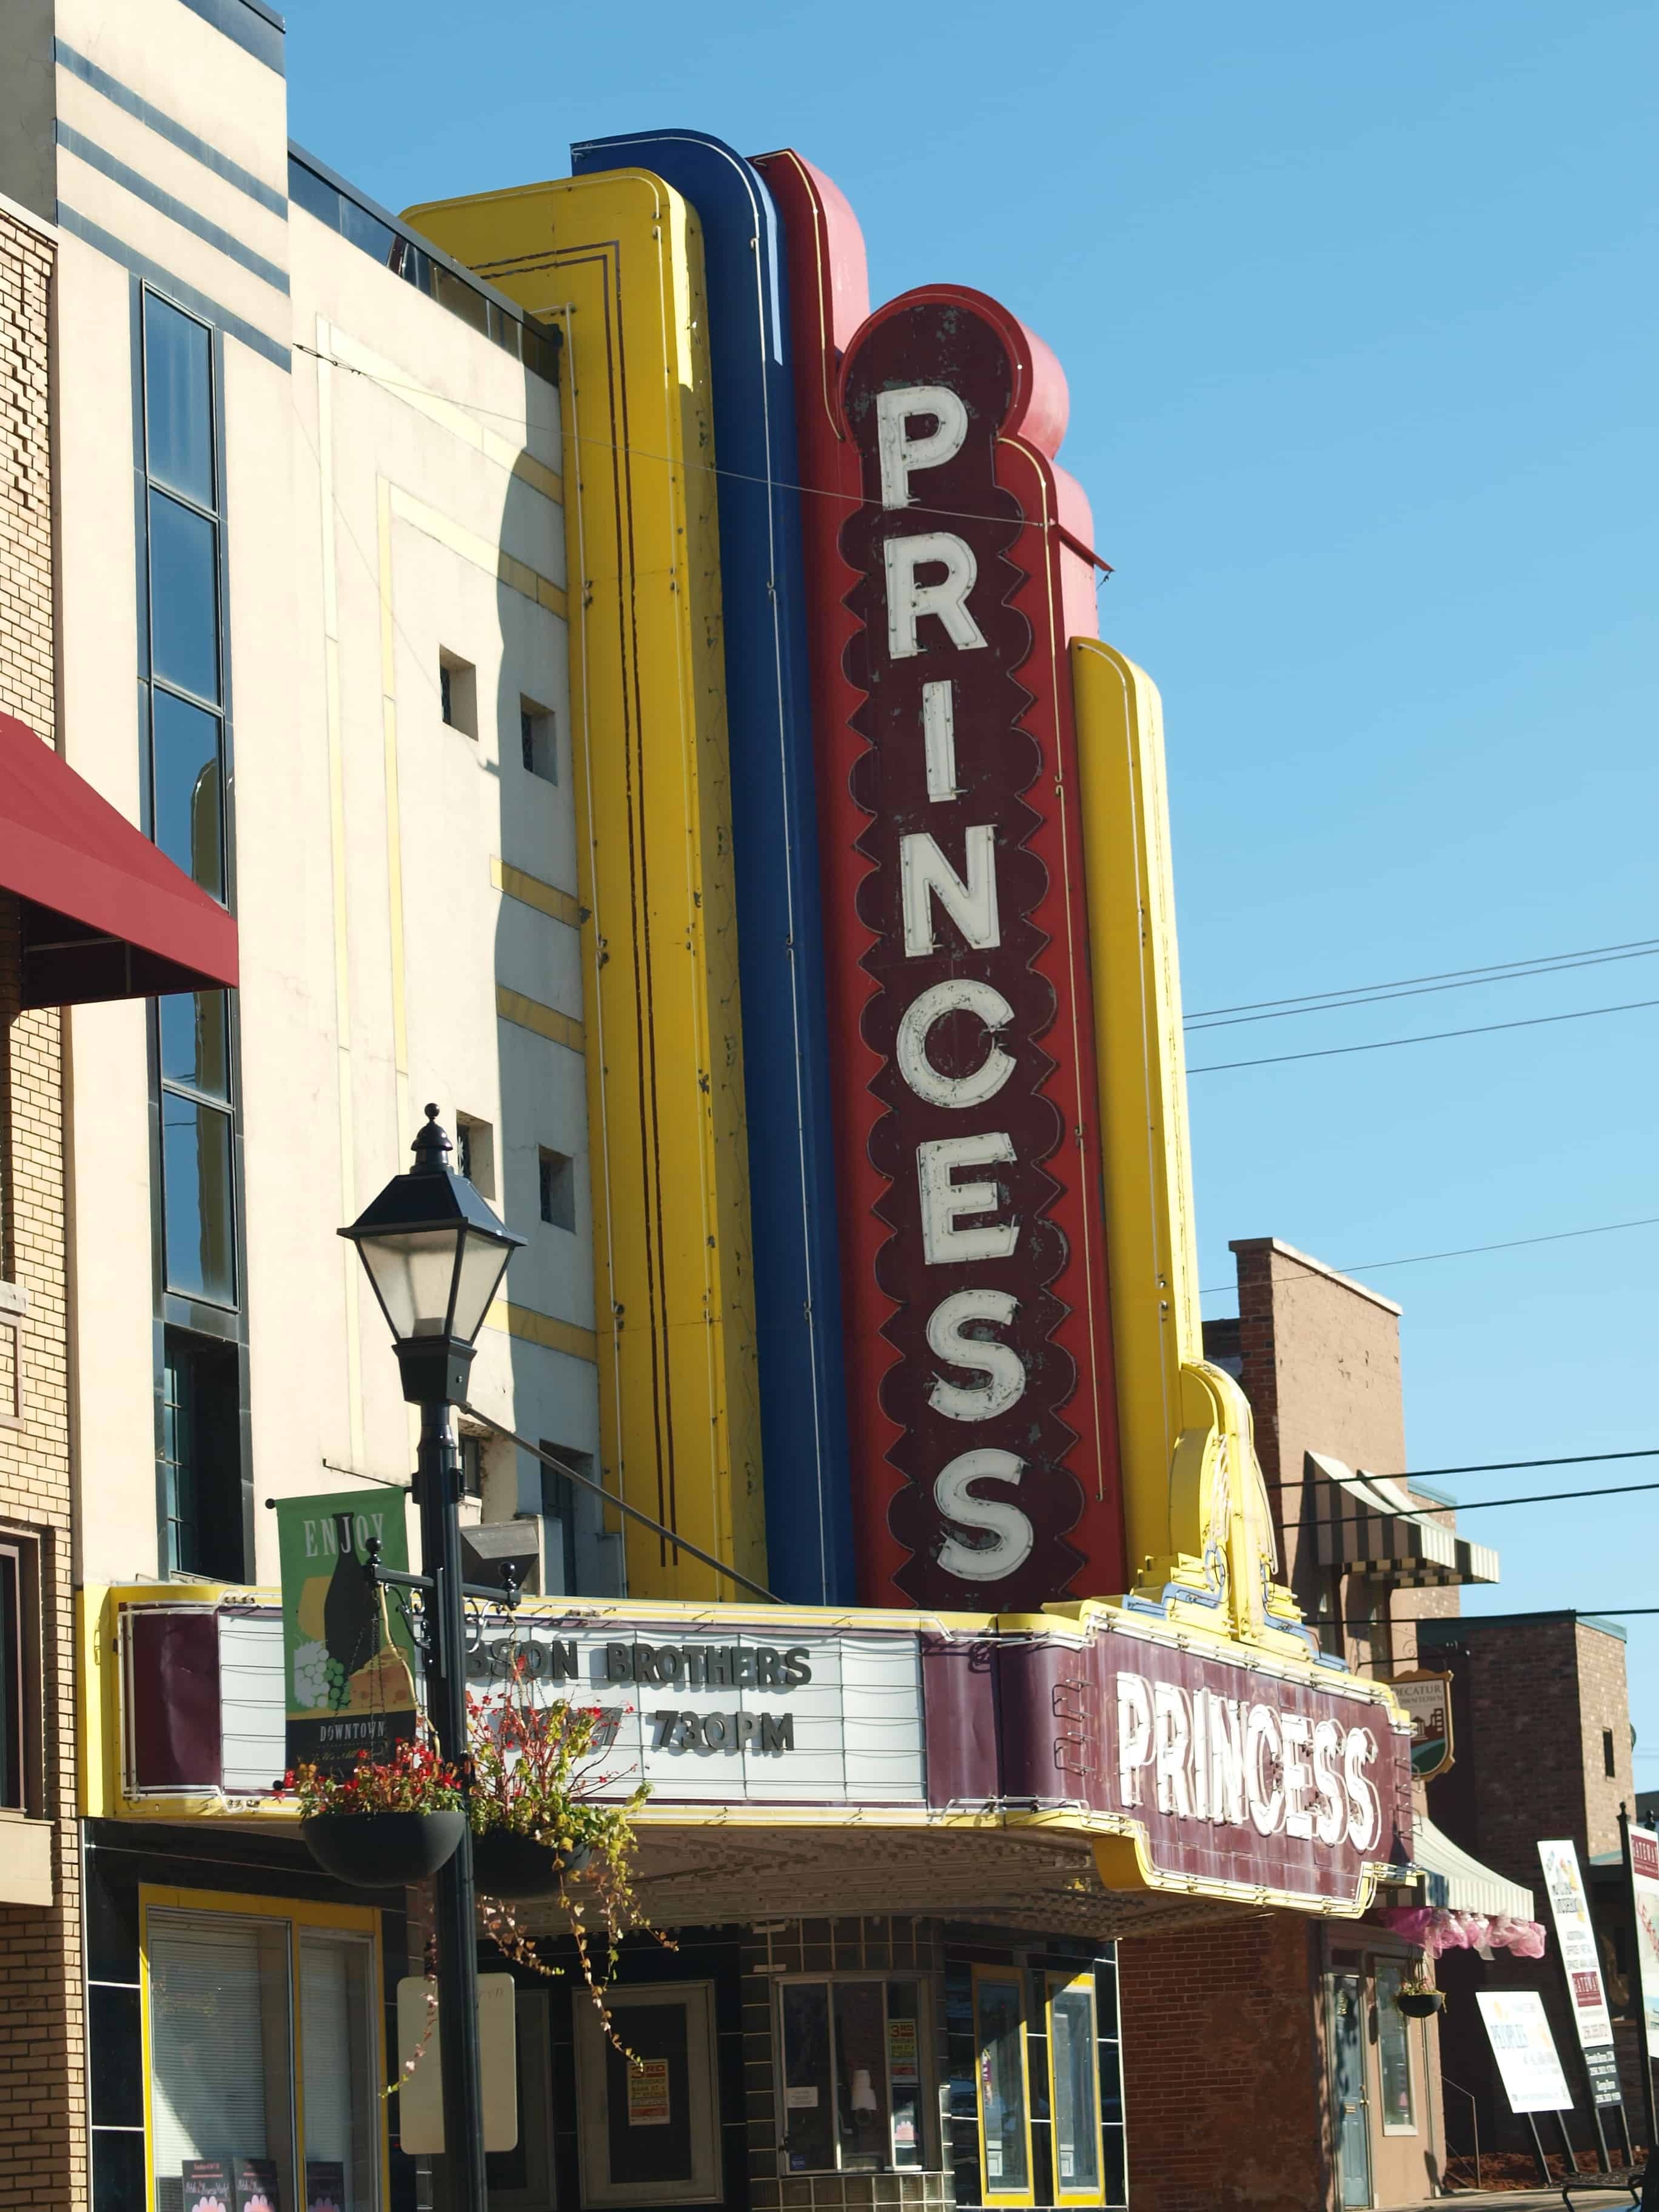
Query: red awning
[[105, 915]]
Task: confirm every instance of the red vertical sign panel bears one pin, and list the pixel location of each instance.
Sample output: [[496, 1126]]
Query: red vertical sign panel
[[943, 565]]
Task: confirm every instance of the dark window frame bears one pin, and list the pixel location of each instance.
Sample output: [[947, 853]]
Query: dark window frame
[[23, 1744], [213, 1324]]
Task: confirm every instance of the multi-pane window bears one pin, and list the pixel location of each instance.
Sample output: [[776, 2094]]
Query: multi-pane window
[[14, 1721], [244, 2007], [186, 768], [856, 2074], [200, 1424]]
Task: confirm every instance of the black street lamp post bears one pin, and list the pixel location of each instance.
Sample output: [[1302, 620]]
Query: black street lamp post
[[435, 1254]]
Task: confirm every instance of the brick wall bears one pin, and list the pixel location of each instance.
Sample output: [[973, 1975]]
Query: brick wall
[[42, 2118], [1223, 2090]]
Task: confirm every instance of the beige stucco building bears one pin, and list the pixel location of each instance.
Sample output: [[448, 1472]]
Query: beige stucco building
[[324, 664]]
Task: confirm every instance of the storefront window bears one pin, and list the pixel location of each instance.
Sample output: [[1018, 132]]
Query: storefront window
[[221, 2077], [260, 2103], [1393, 2055], [1072, 2074], [999, 2043], [337, 2023], [853, 2065]]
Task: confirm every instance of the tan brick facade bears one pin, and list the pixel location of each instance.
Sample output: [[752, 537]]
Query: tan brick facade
[[42, 2071]]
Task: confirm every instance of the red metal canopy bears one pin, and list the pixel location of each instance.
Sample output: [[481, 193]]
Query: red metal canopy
[[105, 915]]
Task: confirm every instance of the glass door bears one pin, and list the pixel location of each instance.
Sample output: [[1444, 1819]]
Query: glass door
[[1003, 2097], [1350, 2117]]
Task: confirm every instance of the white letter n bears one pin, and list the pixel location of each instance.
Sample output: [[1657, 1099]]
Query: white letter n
[[924, 872]]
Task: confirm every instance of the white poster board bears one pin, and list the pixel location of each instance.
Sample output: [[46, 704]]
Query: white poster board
[[1574, 1932], [1644, 1880], [1527, 2063], [420, 2036]]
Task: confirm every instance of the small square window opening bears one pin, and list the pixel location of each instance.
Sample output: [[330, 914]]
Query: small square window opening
[[538, 735], [558, 1189], [458, 693], [474, 1152]]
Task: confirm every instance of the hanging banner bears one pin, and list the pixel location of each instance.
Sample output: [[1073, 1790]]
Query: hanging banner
[[348, 1656], [1427, 1701], [1644, 1885], [1575, 1931], [1528, 2063]]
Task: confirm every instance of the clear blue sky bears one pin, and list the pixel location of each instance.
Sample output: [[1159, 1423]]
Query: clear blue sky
[[1357, 310]]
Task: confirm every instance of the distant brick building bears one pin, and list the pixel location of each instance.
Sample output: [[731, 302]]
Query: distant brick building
[[1540, 1720]]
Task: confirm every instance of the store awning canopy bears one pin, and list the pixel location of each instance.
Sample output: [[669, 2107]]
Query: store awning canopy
[[1368, 1524], [106, 914], [1461, 1883]]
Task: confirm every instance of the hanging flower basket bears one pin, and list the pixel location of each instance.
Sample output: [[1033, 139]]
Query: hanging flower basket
[[383, 1850], [1421, 2004], [507, 1864], [384, 1822]]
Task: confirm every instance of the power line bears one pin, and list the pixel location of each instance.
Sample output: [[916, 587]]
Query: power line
[[1507, 1466], [1441, 976], [1482, 1467], [713, 469], [1432, 1037], [1458, 1252], [1540, 1497], [1336, 1004]]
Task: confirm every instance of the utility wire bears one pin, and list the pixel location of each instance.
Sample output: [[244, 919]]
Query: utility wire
[[713, 469], [1481, 1466], [1458, 1252], [1540, 1497], [679, 1543], [1441, 976], [1196, 1025], [1432, 1037]]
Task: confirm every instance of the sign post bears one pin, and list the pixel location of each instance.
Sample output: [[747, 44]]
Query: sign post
[[1574, 1932], [1641, 1848], [1529, 2064]]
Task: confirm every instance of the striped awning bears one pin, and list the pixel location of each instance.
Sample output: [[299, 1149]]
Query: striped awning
[[1461, 1883], [1368, 1524]]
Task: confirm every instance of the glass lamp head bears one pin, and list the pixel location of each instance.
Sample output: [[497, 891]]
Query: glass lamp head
[[435, 1253]]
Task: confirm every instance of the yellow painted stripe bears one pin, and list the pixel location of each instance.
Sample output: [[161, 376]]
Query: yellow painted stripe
[[546, 1021], [450, 414], [518, 576], [553, 1335], [531, 890]]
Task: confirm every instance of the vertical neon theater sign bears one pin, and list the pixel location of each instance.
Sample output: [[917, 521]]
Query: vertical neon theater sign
[[944, 571]]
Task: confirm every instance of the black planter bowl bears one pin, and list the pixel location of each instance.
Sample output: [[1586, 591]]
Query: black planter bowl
[[509, 1865], [382, 1850], [1421, 2004]]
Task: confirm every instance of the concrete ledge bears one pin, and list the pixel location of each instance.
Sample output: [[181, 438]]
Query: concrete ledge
[[25, 1860]]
